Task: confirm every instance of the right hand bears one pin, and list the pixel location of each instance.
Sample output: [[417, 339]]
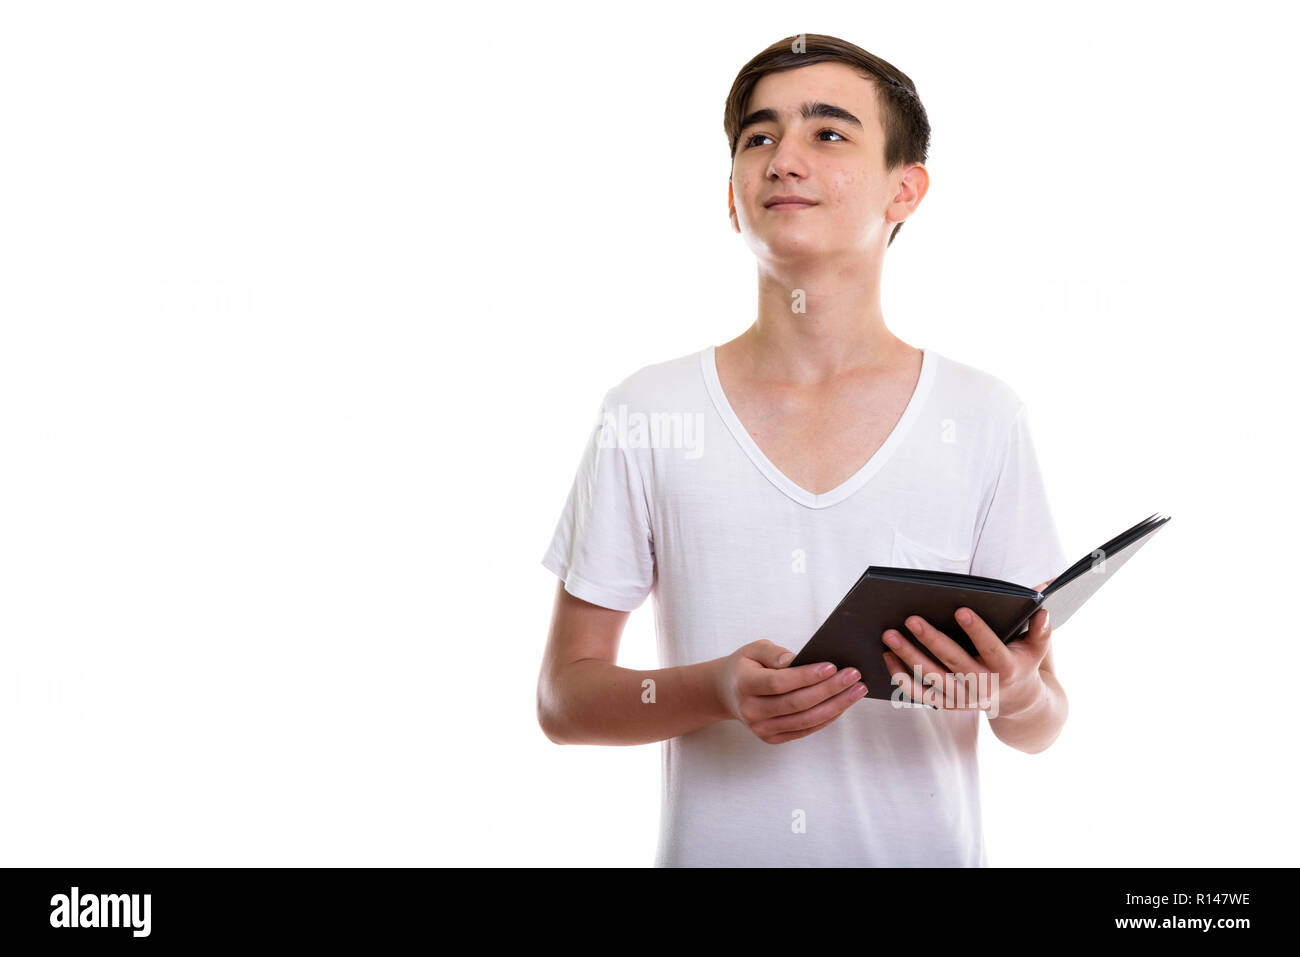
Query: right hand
[[779, 703]]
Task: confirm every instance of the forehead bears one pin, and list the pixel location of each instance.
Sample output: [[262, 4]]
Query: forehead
[[835, 83]]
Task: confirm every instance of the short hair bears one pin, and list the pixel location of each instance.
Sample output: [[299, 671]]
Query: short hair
[[907, 128]]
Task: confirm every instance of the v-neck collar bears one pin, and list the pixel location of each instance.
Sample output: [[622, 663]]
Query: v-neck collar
[[709, 366]]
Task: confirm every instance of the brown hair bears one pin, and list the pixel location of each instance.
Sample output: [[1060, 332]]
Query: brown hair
[[907, 128]]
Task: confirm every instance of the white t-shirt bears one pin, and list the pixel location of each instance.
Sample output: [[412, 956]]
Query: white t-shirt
[[673, 498]]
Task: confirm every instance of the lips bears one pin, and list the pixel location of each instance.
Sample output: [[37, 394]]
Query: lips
[[788, 202]]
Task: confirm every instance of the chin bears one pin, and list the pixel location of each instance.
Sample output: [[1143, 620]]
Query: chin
[[790, 247]]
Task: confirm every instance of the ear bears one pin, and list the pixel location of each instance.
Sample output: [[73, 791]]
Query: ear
[[912, 187], [731, 208]]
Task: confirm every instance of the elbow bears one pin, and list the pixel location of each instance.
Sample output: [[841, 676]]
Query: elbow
[[547, 719], [548, 726]]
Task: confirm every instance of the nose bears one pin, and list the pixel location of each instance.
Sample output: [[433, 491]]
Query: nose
[[787, 161]]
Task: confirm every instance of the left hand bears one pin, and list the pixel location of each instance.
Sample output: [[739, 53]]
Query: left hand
[[1018, 682]]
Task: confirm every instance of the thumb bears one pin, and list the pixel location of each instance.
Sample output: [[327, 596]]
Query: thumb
[[770, 655], [1040, 632]]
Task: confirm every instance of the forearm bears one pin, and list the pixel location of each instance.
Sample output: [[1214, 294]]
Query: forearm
[[591, 701], [1035, 728]]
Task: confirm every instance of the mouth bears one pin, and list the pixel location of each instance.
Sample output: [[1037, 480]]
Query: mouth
[[789, 203]]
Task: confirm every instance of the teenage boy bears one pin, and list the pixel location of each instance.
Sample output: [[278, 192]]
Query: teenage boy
[[747, 486]]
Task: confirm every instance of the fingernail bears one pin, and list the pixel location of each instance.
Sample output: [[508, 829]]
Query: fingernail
[[826, 670], [785, 658], [857, 691]]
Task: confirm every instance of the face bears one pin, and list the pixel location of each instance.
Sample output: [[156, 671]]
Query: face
[[834, 157]]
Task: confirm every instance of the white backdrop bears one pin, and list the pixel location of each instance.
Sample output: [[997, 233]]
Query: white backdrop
[[307, 309]]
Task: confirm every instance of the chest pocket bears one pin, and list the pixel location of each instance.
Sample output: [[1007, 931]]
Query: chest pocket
[[912, 554]]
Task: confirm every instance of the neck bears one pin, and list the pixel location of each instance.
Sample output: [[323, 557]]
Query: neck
[[832, 325]]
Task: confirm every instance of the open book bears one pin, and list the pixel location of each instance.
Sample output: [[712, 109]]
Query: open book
[[884, 598]]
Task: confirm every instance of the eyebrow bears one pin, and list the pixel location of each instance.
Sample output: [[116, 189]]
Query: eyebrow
[[807, 111]]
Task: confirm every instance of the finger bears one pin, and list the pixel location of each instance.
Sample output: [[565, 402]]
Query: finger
[[813, 717], [769, 654], [993, 653], [912, 655], [953, 655], [810, 718], [1040, 633], [792, 702], [791, 735], [772, 681], [944, 690], [902, 677]]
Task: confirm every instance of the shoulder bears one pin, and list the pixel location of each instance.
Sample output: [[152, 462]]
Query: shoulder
[[983, 394], [660, 385]]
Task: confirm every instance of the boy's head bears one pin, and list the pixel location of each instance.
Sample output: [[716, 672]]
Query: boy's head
[[864, 177]]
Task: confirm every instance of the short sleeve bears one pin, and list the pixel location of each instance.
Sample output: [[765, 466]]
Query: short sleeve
[[603, 548], [1018, 540]]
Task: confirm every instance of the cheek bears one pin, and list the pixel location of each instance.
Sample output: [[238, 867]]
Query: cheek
[[847, 187], [745, 190], [852, 194]]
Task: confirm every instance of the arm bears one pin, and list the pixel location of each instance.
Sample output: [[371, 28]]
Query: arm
[[584, 698]]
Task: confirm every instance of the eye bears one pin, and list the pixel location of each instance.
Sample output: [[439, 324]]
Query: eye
[[750, 142]]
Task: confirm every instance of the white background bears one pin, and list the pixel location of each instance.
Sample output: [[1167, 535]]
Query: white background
[[307, 309]]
